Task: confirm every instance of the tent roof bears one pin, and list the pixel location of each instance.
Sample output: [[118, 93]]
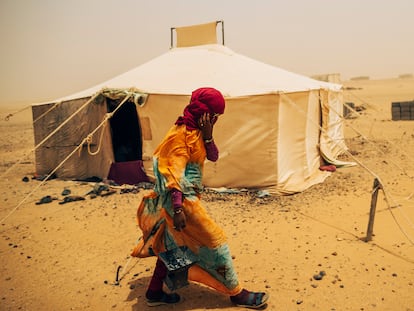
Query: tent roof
[[181, 70]]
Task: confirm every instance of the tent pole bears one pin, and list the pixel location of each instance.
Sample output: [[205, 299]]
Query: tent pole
[[171, 33], [222, 30], [377, 185]]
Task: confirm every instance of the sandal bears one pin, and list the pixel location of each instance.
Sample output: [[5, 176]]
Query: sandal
[[163, 299], [46, 199], [251, 300]]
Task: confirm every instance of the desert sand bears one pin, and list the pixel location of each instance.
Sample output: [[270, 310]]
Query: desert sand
[[66, 256]]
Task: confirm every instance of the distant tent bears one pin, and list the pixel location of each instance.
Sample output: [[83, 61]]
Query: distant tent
[[269, 137]]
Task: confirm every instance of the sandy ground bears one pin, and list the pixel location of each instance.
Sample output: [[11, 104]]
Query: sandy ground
[[65, 256]]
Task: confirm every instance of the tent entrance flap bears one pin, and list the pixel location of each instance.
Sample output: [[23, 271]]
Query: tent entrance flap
[[125, 132], [127, 144]]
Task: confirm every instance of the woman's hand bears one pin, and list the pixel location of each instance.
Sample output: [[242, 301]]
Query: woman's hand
[[206, 126], [179, 219]]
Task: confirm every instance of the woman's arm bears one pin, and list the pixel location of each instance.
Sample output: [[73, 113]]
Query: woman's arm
[[211, 150]]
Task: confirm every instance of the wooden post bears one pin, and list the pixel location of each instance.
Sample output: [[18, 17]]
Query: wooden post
[[374, 198]]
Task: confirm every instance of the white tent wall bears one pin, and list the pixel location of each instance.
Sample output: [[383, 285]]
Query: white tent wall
[[332, 142], [335, 123], [298, 154], [313, 130], [265, 141], [246, 136]]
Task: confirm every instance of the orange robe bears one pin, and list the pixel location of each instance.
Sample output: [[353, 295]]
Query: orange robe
[[178, 164]]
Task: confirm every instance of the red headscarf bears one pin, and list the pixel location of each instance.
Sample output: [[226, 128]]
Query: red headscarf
[[205, 99]]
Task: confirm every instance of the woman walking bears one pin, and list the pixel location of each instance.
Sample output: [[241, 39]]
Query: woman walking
[[173, 216]]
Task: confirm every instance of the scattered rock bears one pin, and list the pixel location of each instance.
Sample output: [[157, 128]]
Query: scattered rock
[[66, 192], [71, 198], [45, 199], [319, 276]]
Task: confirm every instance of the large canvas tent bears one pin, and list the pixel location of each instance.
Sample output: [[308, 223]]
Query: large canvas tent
[[278, 127]]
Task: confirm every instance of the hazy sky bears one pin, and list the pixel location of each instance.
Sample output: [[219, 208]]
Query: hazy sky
[[52, 48]]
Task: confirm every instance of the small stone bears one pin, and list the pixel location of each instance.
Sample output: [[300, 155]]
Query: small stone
[[66, 192], [318, 277]]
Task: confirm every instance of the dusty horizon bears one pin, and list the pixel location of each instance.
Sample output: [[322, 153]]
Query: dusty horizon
[[24, 104]]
